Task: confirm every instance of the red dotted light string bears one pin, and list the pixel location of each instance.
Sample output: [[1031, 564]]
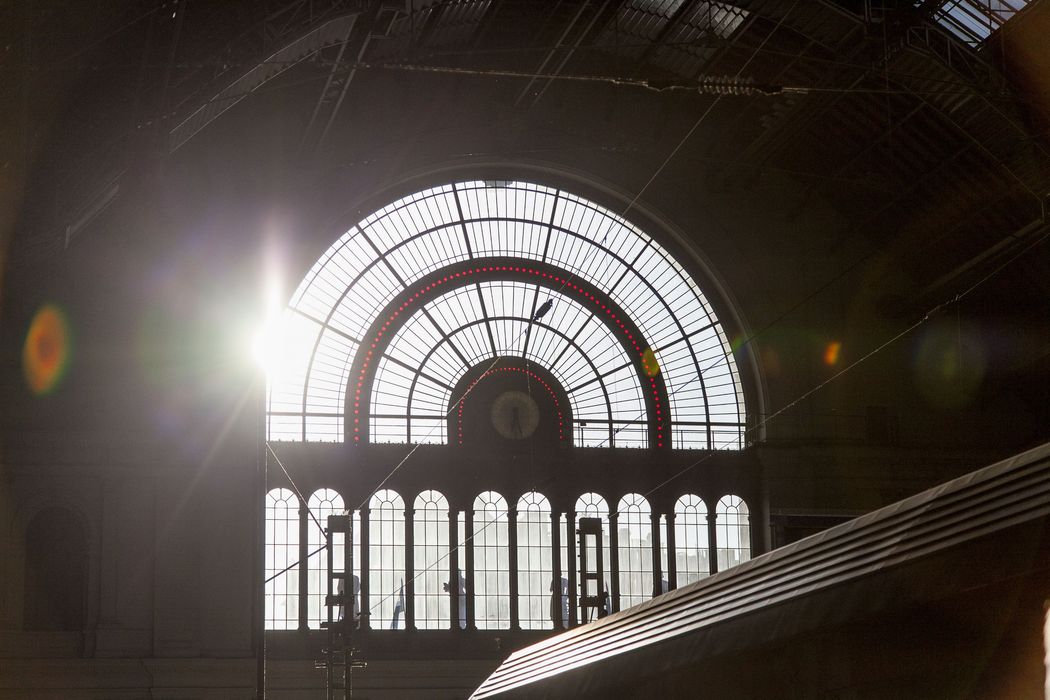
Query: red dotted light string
[[557, 403], [451, 277]]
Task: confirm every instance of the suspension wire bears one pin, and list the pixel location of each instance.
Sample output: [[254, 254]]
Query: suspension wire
[[879, 348], [936, 309], [626, 209], [297, 563], [926, 317], [295, 488], [718, 85], [569, 273], [929, 314]]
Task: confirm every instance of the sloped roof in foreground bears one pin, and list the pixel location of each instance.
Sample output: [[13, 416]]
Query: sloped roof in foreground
[[908, 552]]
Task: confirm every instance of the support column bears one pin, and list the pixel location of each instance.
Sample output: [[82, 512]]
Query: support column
[[614, 564], [556, 574], [468, 536], [712, 542], [672, 555], [455, 619], [366, 617], [410, 569], [657, 538], [574, 567], [512, 542], [304, 564]]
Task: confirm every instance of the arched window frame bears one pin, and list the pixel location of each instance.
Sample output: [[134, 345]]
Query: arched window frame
[[430, 560], [322, 503], [386, 560], [491, 561], [593, 505], [732, 532], [282, 560], [692, 541], [536, 594], [471, 222], [634, 546]]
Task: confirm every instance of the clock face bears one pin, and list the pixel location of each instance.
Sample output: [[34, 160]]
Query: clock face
[[515, 415]]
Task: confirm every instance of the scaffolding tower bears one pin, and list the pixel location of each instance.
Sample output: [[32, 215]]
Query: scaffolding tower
[[338, 657], [593, 599]]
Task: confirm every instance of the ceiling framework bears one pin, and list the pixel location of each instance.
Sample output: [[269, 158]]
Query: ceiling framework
[[900, 72]]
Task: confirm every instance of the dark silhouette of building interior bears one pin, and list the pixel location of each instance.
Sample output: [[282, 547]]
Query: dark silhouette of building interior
[[635, 348]]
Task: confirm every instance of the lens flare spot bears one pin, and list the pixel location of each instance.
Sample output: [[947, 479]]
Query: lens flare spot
[[649, 363], [47, 350], [831, 353]]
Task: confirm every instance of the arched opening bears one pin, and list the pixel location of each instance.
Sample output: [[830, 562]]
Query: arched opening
[[413, 296], [55, 584]]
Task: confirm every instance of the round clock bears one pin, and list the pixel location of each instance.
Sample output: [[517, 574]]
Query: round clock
[[515, 415]]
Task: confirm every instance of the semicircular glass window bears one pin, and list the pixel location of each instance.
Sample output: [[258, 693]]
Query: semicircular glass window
[[388, 252]]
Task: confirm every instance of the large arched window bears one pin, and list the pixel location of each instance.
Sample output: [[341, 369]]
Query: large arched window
[[538, 592], [282, 560], [691, 543], [491, 562], [430, 548], [634, 530], [386, 560], [591, 505], [400, 306], [732, 532], [322, 503]]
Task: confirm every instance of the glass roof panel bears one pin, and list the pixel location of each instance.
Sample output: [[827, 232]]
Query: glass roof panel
[[973, 21], [387, 251]]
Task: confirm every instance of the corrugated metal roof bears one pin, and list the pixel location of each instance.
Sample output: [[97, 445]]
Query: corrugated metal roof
[[980, 504]]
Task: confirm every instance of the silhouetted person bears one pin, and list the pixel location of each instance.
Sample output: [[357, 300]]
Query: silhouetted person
[[461, 589], [560, 602]]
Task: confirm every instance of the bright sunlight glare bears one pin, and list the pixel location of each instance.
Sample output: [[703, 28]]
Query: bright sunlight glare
[[268, 341]]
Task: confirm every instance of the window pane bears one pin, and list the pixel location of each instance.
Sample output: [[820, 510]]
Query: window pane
[[665, 581], [538, 593], [282, 551], [691, 542], [634, 531], [491, 562], [732, 531], [323, 502], [591, 505], [386, 561], [431, 561]]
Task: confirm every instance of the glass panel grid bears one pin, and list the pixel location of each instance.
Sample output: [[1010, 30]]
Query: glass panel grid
[[322, 503], [592, 505], [491, 562], [691, 543], [973, 21], [430, 561], [349, 285], [732, 532], [634, 530], [282, 551], [386, 560], [536, 585]]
